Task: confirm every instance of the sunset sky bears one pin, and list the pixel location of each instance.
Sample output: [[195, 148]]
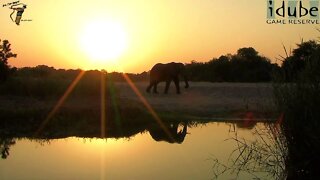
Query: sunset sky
[[78, 34]]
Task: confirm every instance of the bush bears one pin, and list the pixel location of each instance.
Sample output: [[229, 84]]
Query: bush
[[299, 101], [245, 66], [48, 83]]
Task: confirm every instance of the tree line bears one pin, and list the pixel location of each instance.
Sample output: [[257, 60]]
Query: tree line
[[247, 65], [244, 66]]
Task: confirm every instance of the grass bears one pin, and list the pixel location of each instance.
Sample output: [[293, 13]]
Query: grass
[[299, 102], [290, 148], [261, 157]]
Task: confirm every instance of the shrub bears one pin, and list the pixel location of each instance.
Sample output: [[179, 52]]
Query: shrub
[[299, 101]]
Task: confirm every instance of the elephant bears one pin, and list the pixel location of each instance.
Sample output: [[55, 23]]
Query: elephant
[[175, 135], [167, 73]]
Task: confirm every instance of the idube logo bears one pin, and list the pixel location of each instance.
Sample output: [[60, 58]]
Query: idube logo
[[293, 12]]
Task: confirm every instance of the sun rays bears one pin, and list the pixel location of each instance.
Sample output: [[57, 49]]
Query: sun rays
[[103, 110], [103, 104], [59, 103], [147, 105]]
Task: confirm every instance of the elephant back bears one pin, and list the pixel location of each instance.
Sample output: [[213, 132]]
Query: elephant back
[[165, 70], [159, 71]]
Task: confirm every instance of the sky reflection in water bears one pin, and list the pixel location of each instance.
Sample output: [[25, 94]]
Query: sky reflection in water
[[139, 157]]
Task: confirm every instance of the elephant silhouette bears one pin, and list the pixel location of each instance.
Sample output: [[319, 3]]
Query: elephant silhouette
[[167, 73], [159, 134]]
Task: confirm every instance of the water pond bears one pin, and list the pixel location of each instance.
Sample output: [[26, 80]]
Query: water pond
[[191, 153]]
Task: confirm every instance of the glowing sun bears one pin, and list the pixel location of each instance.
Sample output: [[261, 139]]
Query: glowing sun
[[103, 41]]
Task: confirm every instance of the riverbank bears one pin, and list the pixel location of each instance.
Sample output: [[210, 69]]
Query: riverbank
[[202, 102], [207, 100]]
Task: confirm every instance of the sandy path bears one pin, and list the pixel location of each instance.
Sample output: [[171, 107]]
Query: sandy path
[[207, 99], [201, 100]]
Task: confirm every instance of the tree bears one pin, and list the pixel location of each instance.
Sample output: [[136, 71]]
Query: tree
[[299, 103], [247, 52], [248, 66], [294, 64], [5, 54], [305, 50], [245, 66]]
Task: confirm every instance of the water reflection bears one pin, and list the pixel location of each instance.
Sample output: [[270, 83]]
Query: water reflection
[[5, 144], [136, 155], [262, 156], [175, 135], [170, 132], [175, 132], [246, 124]]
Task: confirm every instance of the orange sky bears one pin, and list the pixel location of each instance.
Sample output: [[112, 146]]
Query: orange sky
[[155, 31]]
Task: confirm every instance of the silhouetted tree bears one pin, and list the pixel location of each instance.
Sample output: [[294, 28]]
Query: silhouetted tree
[[247, 52], [5, 54], [245, 66], [249, 66], [299, 102], [295, 63]]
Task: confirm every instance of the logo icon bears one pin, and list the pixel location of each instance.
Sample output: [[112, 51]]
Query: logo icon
[[19, 9], [293, 12]]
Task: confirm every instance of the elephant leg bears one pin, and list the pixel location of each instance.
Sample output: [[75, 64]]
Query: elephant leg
[[167, 86], [149, 87], [176, 82], [155, 88]]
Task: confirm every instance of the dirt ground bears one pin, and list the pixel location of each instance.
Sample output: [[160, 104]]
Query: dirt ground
[[200, 100], [205, 99]]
